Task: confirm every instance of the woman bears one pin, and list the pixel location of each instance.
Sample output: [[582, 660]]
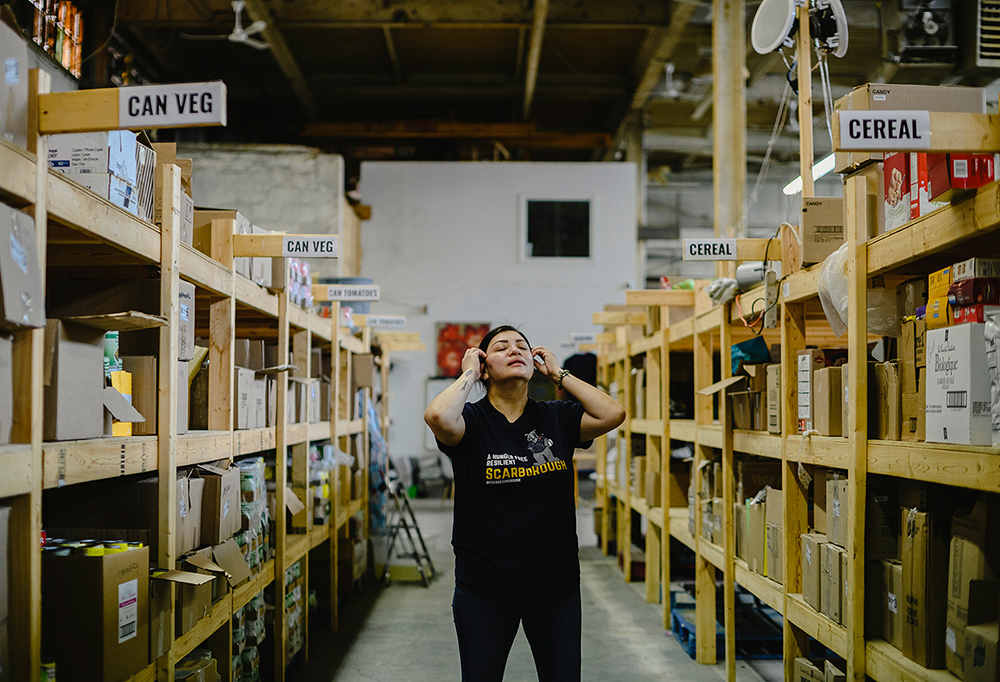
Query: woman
[[516, 550]]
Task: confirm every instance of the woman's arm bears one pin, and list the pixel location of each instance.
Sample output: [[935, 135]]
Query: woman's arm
[[601, 413], [444, 414]]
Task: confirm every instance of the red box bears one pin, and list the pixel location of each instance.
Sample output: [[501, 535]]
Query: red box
[[920, 200], [974, 313], [983, 290], [896, 190], [951, 173]]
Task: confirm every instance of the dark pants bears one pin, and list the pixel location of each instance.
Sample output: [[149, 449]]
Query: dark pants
[[486, 628]]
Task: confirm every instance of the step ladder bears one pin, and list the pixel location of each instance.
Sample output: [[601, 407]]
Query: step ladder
[[402, 526]]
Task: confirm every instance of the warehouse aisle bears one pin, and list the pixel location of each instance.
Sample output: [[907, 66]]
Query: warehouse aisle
[[405, 632]]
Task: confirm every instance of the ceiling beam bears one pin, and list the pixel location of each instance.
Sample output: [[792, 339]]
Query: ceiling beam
[[257, 11], [511, 134], [534, 55], [460, 91], [390, 47], [665, 41]]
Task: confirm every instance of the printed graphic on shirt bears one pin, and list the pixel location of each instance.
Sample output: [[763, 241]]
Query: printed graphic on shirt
[[507, 468]]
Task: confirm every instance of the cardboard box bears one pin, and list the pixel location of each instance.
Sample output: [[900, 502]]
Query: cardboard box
[[808, 362], [827, 396], [910, 295], [220, 510], [258, 401], [974, 557], [821, 228], [638, 476], [938, 283], [747, 410], [95, 615], [145, 398], [839, 510], [973, 313], [951, 175], [187, 515], [243, 380], [203, 236], [912, 353], [914, 418], [653, 495], [362, 370], [981, 650], [939, 313], [925, 567], [832, 587], [21, 302], [775, 507], [740, 529], [896, 190], [811, 570], [757, 537], [6, 387], [892, 602], [14, 89], [847, 402], [898, 97], [774, 398], [271, 387], [805, 671], [194, 600], [754, 476], [881, 518], [775, 553], [974, 268], [166, 153], [958, 386], [833, 673], [920, 198], [820, 506], [314, 403], [110, 152], [975, 291], [888, 399]]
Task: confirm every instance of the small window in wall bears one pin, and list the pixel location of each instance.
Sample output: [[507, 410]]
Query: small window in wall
[[558, 229]]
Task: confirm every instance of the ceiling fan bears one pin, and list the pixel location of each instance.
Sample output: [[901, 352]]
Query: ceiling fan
[[239, 34]]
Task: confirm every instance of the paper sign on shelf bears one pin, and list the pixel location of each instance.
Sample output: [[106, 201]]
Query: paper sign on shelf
[[165, 106], [889, 130], [709, 249], [352, 292], [583, 337], [312, 246], [385, 321]]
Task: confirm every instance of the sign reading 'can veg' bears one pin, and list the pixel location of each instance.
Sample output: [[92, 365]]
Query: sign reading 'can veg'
[[885, 130], [709, 249], [169, 106], [352, 292], [308, 246]]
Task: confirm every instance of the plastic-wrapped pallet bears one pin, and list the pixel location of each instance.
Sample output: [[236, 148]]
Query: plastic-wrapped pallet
[[992, 335]]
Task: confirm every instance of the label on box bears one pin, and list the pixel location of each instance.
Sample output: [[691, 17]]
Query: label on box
[[893, 606], [128, 610], [960, 168], [11, 70], [836, 508], [950, 640], [18, 254], [225, 509], [172, 106], [879, 130], [309, 247], [182, 504], [809, 555], [185, 312], [709, 249], [341, 292]]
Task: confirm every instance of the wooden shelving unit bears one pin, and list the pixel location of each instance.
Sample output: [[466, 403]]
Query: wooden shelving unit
[[78, 230], [966, 228]]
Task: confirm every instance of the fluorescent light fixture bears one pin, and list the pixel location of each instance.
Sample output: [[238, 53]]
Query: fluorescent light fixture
[[822, 167]]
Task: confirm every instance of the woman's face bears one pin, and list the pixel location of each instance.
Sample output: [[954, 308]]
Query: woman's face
[[508, 356]]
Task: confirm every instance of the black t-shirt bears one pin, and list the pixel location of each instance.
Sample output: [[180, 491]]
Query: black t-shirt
[[515, 516]]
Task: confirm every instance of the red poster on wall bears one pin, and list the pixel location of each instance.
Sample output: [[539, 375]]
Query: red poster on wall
[[453, 339]]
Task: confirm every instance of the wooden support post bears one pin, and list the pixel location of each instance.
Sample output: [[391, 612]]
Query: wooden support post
[[728, 495], [604, 499], [704, 584], [281, 482], [856, 227], [625, 538], [170, 232], [334, 413], [221, 336], [28, 382], [729, 117], [793, 339], [665, 470], [805, 103]]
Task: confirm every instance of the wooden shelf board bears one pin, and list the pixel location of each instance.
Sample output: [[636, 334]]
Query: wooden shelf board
[[296, 433], [828, 451], [318, 535], [15, 470], [759, 443], [816, 625], [296, 547], [253, 296], [17, 172], [683, 429], [765, 589], [251, 588], [886, 663], [639, 505], [251, 441], [655, 516], [79, 461], [679, 528], [712, 553], [646, 344], [319, 431], [348, 428], [652, 427], [617, 355], [299, 317], [147, 674], [205, 272], [709, 321], [221, 612], [351, 343], [198, 447], [957, 465], [800, 285], [683, 298], [321, 327], [938, 231], [613, 489], [710, 435]]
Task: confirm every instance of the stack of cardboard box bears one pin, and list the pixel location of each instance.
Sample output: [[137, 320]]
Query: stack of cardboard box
[[820, 671], [817, 409]]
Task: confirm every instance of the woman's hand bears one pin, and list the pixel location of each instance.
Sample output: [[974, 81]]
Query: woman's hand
[[548, 367], [473, 360]]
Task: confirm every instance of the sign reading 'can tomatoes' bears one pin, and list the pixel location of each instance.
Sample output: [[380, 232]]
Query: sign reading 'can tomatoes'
[[347, 292], [172, 106], [385, 321]]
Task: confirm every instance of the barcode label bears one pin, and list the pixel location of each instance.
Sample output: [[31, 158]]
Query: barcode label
[[126, 631], [829, 229], [957, 399], [128, 610], [893, 606], [960, 168]]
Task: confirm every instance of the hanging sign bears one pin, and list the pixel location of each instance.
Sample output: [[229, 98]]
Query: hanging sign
[[308, 246], [583, 337], [385, 321], [709, 249], [877, 130], [352, 292], [169, 106]]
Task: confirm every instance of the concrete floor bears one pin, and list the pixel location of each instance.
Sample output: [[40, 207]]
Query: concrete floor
[[406, 632]]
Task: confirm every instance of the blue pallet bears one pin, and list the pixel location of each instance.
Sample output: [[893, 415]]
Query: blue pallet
[[758, 633]]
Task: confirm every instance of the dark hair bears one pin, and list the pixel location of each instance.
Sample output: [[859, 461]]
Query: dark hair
[[485, 343], [490, 335], [583, 366]]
